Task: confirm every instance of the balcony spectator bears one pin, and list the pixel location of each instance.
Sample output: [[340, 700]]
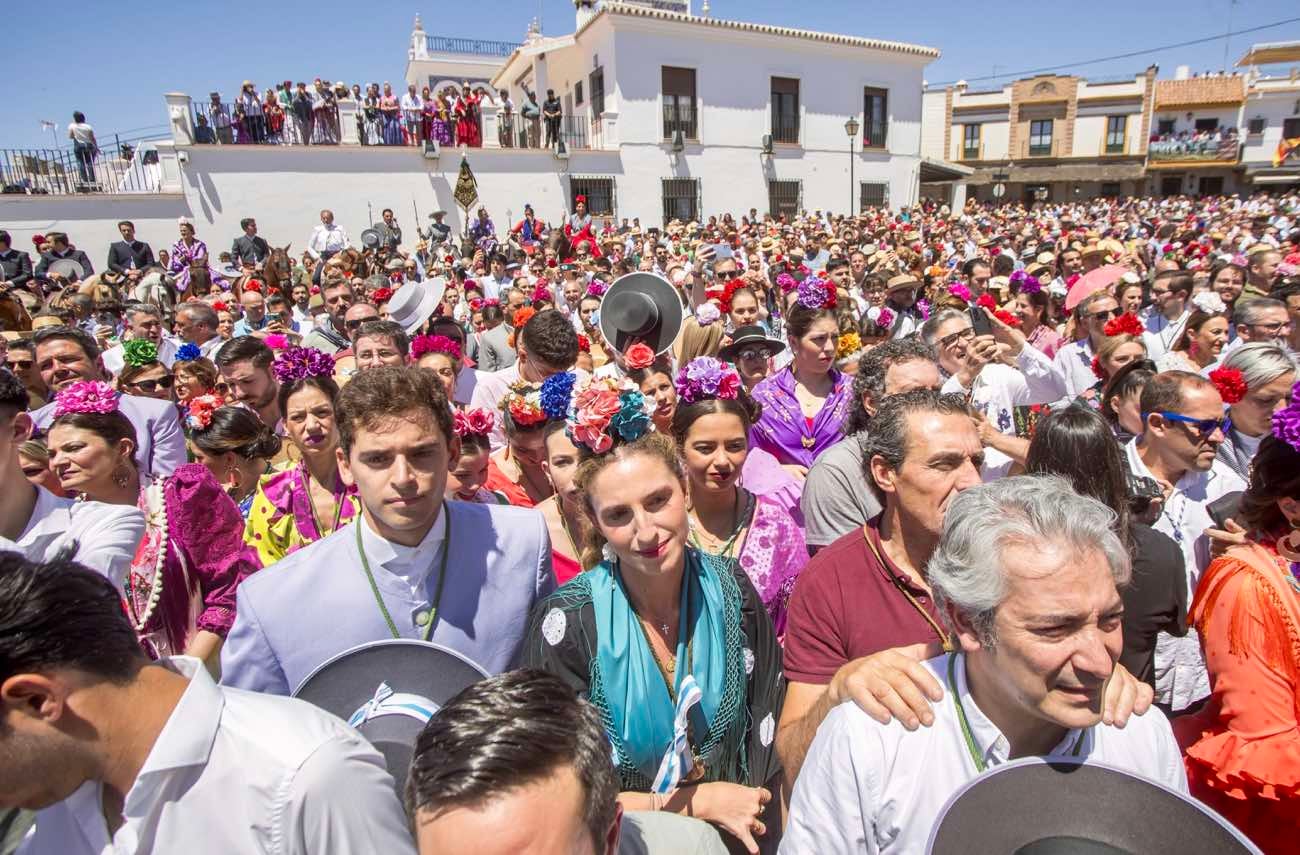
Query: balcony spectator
[[322, 115], [442, 125], [426, 114], [412, 116], [219, 118], [468, 131], [254, 120], [531, 113], [551, 111], [298, 116], [274, 114], [84, 146], [506, 122], [203, 134], [372, 125], [390, 111]]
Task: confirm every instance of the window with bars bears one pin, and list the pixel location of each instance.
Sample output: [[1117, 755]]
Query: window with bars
[[681, 199], [596, 82], [783, 198], [599, 192], [1040, 137], [970, 142], [678, 87], [785, 110], [1116, 133], [875, 117], [873, 194], [1291, 128], [577, 94]]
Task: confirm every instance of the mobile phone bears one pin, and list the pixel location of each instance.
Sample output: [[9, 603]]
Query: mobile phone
[[979, 321], [722, 250]]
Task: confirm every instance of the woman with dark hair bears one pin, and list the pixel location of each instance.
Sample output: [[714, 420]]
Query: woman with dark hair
[[180, 589], [233, 444], [1077, 444], [670, 644], [442, 356], [195, 375], [142, 373], [712, 428], [656, 383], [804, 405], [309, 501], [1242, 749], [469, 471], [565, 519], [1201, 342], [517, 471], [1121, 398]]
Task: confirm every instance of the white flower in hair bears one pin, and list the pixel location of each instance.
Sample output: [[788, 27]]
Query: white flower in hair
[[1057, 288], [1130, 278], [1210, 303]]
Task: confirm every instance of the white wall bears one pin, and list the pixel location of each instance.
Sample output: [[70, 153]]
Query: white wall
[[1228, 117], [933, 114], [1273, 104]]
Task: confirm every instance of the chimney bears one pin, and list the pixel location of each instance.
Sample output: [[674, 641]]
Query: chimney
[[419, 41], [1182, 72]]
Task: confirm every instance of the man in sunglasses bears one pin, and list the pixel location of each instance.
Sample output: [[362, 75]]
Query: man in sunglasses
[[1075, 359], [1184, 423], [143, 321]]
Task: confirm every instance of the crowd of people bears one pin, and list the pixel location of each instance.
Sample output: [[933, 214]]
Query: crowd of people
[[733, 535], [308, 114]]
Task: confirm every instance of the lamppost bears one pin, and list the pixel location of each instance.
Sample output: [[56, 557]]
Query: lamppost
[[851, 128]]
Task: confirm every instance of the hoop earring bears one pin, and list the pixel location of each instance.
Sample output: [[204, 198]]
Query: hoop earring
[[1289, 547]]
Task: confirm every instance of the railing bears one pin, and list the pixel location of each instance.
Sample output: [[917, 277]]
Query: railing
[[222, 124], [1214, 149], [785, 129], [57, 172], [1051, 149], [476, 47], [679, 119]]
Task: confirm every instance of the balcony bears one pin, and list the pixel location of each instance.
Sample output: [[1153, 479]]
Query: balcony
[[472, 47], [1188, 149], [1052, 148]]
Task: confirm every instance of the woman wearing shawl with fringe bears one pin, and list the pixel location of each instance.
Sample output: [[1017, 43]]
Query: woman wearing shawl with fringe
[[671, 645]]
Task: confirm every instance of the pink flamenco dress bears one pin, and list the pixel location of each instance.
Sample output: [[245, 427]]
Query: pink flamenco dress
[[282, 518], [1242, 749], [189, 562]]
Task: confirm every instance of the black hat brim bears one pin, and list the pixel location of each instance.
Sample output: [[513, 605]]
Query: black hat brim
[[645, 289]]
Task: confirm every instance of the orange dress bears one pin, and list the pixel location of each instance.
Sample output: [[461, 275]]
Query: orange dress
[[499, 482], [1242, 749]]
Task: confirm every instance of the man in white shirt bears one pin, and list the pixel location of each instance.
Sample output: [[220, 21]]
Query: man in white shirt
[[38, 523], [1026, 574], [196, 324], [144, 321], [1184, 427], [1171, 292], [1074, 360], [326, 240], [120, 754]]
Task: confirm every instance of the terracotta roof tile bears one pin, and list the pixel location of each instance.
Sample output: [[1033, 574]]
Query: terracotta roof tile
[[1200, 90]]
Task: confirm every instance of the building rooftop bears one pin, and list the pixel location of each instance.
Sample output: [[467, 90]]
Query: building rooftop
[[1197, 91], [1270, 52]]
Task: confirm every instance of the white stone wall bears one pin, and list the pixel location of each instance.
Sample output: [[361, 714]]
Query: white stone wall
[[1273, 102]]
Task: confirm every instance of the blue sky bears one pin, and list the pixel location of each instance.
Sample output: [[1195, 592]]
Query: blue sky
[[120, 58]]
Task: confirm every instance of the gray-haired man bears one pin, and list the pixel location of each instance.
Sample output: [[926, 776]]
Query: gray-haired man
[[1026, 575]]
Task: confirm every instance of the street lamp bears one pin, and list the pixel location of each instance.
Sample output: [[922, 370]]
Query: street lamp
[[851, 128]]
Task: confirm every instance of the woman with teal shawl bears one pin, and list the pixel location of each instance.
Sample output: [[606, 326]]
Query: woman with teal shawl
[[698, 739]]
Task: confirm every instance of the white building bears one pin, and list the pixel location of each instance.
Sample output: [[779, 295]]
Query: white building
[[667, 114], [1270, 115]]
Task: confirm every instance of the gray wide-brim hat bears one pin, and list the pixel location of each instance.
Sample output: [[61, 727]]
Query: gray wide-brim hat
[[415, 302], [388, 690], [1075, 806]]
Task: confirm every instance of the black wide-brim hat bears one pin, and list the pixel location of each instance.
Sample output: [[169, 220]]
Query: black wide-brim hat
[[1069, 806], [746, 336], [388, 690], [641, 307], [371, 238]]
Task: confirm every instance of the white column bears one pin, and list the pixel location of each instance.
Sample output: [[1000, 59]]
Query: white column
[[172, 175], [180, 117], [490, 124], [348, 122], [609, 130]]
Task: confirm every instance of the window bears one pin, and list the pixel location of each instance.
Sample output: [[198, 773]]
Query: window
[[1040, 137], [875, 117], [679, 102], [1291, 128], [1116, 132], [783, 198], [596, 83], [1110, 189], [873, 194], [599, 193], [1256, 126], [1207, 125], [970, 142], [577, 93], [1211, 185], [785, 110], [1165, 127], [681, 199]]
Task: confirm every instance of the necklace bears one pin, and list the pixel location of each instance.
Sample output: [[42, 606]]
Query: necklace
[[311, 503], [437, 591], [737, 525], [1177, 524]]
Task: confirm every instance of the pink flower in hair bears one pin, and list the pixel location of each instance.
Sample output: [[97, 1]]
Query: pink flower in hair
[[85, 397]]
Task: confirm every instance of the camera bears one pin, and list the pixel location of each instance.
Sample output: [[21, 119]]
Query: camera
[[1141, 492]]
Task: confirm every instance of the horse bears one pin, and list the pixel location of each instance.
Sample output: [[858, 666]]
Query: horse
[[14, 316], [277, 270]]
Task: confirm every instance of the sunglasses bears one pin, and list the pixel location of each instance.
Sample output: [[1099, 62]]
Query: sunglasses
[[20, 364], [1105, 314], [1203, 427], [164, 382], [752, 353], [356, 323]]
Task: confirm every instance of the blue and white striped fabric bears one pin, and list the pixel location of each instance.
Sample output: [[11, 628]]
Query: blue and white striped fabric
[[678, 761], [388, 702]]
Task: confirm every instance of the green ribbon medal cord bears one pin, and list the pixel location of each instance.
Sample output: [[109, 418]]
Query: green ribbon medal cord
[[437, 592]]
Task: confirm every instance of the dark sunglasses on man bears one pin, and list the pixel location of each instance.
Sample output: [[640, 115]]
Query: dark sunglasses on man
[[1105, 314], [151, 386], [355, 324]]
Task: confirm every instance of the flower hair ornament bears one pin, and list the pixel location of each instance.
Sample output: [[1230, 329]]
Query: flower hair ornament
[[850, 344], [85, 396], [584, 343], [960, 291], [199, 410], [381, 295], [523, 403], [638, 356], [139, 351], [188, 353], [423, 344], [814, 294], [1230, 383], [1210, 303], [728, 291], [605, 408], [276, 341], [707, 313], [299, 363], [522, 317], [475, 422], [557, 394], [596, 288], [986, 301], [705, 377], [786, 282], [1126, 324], [1286, 421], [881, 317]]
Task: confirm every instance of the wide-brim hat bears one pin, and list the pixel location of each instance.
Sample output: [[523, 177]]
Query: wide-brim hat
[[371, 238], [641, 307], [901, 281], [68, 268], [388, 690], [1078, 807], [767, 244], [745, 337], [441, 212], [413, 303]]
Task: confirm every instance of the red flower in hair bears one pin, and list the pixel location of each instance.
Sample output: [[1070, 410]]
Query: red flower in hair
[[1007, 318], [1126, 324], [1230, 383], [381, 295], [1097, 369], [986, 301], [639, 356], [219, 306], [729, 291], [584, 343], [253, 285]]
